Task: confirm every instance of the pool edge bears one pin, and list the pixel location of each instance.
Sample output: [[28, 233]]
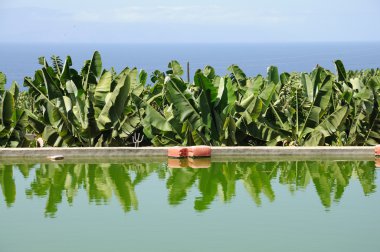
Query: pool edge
[[83, 152]]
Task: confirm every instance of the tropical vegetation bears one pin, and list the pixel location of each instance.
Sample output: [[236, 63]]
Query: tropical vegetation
[[98, 107]]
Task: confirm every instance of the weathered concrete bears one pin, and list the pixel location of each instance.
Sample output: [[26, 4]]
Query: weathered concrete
[[120, 152], [320, 151], [83, 152]]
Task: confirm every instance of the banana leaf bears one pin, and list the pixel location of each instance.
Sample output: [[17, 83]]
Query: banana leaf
[[182, 104], [327, 127], [7, 109], [175, 68]]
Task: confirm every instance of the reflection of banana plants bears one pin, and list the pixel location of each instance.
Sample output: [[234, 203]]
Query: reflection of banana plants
[[295, 175], [100, 182], [333, 178], [219, 179], [123, 187], [7, 181], [54, 181], [7, 184], [367, 177], [329, 178], [256, 180], [208, 180], [90, 108], [178, 183]]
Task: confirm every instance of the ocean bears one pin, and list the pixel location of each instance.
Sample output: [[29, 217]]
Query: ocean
[[20, 60]]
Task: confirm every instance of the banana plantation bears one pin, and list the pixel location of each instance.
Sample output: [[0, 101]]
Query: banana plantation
[[99, 107]]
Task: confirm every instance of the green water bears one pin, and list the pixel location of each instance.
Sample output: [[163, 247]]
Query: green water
[[231, 206]]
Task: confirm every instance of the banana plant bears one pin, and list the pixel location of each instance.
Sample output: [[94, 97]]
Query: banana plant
[[253, 107], [185, 113], [97, 107], [360, 94], [92, 108], [170, 115], [13, 120]]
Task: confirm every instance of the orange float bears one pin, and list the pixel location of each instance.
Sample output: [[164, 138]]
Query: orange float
[[199, 151], [377, 150], [197, 157], [177, 152], [174, 163]]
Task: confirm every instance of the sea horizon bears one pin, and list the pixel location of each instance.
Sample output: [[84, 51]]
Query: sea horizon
[[18, 60]]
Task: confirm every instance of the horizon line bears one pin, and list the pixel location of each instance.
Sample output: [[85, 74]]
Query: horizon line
[[190, 43]]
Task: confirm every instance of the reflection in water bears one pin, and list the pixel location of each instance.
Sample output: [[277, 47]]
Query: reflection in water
[[189, 162], [8, 184], [101, 181]]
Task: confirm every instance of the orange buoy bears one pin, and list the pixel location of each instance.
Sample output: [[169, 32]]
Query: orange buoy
[[177, 163], [177, 152], [199, 163], [199, 151], [377, 150]]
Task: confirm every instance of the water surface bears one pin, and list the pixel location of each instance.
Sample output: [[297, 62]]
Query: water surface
[[230, 206]]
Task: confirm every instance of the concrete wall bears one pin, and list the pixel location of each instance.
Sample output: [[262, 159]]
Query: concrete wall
[[102, 152]]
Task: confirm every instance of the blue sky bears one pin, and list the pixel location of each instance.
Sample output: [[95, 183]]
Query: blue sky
[[169, 21]]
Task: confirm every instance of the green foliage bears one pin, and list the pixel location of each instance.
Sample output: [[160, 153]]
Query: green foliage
[[319, 108], [90, 108], [3, 81], [13, 120], [97, 107]]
